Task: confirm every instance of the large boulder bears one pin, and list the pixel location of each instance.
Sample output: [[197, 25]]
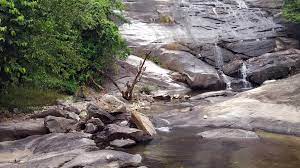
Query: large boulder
[[252, 48], [114, 131], [273, 66], [61, 150], [143, 123], [233, 68], [198, 74], [14, 130], [96, 112], [59, 124]]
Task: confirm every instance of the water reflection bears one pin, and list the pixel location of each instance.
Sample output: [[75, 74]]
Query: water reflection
[[181, 148]]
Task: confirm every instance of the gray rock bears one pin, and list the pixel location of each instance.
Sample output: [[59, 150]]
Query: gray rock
[[197, 73], [233, 68], [223, 93], [90, 128], [273, 66], [59, 124], [209, 54], [55, 111], [96, 112], [122, 143], [14, 130], [61, 150], [97, 122], [117, 132], [252, 48], [72, 109], [226, 133]]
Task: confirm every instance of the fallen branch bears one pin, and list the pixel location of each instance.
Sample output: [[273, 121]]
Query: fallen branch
[[128, 93]]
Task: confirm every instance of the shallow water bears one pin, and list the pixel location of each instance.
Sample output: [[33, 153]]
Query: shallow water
[[182, 148]]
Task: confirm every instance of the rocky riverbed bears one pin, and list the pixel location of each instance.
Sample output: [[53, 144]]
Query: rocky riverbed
[[221, 74]]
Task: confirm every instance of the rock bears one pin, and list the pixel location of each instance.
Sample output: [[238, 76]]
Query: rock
[[73, 115], [61, 150], [122, 143], [105, 158], [72, 109], [143, 123], [90, 128], [197, 73], [97, 122], [59, 124], [210, 55], [224, 93], [233, 68], [111, 103], [252, 48], [55, 111], [14, 130], [117, 132], [96, 112], [273, 107], [273, 66], [283, 43], [225, 133]]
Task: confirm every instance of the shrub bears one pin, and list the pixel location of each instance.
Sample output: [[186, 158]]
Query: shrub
[[291, 10], [58, 44]]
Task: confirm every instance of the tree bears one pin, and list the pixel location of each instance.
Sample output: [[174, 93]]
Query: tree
[[59, 44]]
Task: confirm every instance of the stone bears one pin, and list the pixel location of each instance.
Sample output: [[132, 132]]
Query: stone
[[111, 103], [225, 133], [252, 48], [122, 143], [73, 115], [72, 109], [90, 128], [14, 130], [143, 123], [117, 132], [97, 122], [224, 93], [59, 124], [283, 43], [271, 66], [54, 111], [61, 150], [210, 55], [96, 112], [273, 107], [197, 73], [233, 68]]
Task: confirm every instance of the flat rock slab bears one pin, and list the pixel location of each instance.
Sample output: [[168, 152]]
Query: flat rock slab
[[59, 124], [225, 133], [61, 150], [20, 129], [122, 143]]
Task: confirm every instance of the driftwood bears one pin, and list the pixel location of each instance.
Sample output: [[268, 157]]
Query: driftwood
[[128, 92]]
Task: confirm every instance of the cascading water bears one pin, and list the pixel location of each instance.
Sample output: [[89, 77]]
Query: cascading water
[[246, 84], [219, 63]]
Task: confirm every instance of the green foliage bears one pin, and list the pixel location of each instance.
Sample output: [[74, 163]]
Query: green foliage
[[291, 10], [23, 98], [58, 44]]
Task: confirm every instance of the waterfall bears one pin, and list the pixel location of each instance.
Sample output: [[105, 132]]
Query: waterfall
[[246, 84], [219, 57], [219, 64]]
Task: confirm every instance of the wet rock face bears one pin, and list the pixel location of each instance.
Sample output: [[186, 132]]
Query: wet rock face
[[273, 66]]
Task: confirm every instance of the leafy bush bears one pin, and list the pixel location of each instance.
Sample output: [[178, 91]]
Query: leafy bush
[[58, 44], [291, 10]]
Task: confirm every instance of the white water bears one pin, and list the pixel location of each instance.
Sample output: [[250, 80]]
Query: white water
[[246, 84], [219, 63]]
